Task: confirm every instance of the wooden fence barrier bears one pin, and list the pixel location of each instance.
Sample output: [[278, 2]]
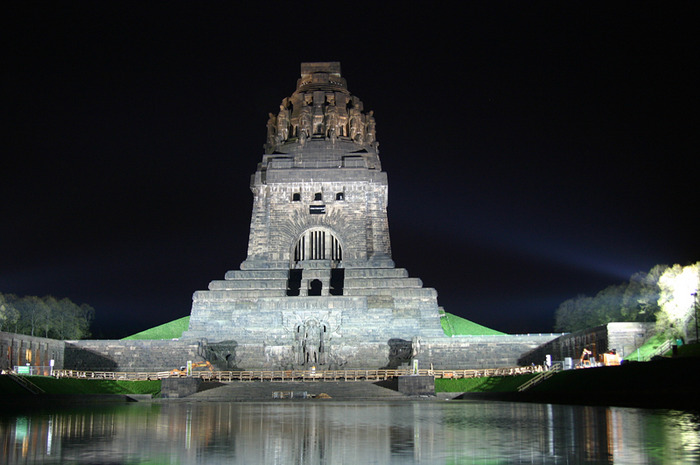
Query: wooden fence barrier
[[298, 375]]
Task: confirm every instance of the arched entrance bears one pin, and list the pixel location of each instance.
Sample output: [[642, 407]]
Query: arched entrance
[[318, 244], [307, 278]]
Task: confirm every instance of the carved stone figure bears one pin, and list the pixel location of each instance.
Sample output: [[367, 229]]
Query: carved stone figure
[[305, 124], [310, 342], [332, 123], [371, 136], [283, 124], [356, 125], [271, 131]]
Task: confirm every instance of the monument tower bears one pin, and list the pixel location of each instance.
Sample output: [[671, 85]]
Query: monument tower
[[318, 286]]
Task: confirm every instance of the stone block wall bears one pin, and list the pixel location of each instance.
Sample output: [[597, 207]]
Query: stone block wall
[[174, 388], [623, 337], [462, 352], [417, 385], [626, 337], [118, 355], [20, 349], [477, 352]]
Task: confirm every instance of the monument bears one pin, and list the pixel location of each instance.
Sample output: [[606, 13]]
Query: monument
[[318, 287]]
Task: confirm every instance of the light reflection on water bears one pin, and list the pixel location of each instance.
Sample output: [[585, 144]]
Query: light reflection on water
[[312, 432]]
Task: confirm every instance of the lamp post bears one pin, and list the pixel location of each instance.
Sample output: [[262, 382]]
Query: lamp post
[[695, 307]]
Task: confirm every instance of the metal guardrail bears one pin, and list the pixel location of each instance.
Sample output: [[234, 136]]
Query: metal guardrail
[[541, 377], [661, 350], [299, 375]]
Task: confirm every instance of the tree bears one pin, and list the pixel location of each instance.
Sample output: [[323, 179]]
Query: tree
[[52, 310], [575, 314], [45, 316], [608, 304], [677, 286], [640, 300], [9, 315], [33, 312]]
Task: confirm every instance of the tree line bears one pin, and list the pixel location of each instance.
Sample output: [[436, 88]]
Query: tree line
[[45, 317], [666, 295]]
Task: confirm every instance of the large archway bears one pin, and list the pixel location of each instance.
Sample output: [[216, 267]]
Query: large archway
[[317, 244]]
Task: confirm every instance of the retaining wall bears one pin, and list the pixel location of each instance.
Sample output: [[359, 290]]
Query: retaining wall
[[20, 349], [140, 355], [623, 337], [474, 352]]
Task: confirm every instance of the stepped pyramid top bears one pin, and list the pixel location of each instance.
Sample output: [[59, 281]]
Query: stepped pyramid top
[[321, 116]]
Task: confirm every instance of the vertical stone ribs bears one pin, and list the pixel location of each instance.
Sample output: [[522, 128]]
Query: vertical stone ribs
[[318, 245]]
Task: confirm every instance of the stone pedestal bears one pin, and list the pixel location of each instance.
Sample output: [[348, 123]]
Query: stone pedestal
[[415, 385], [173, 388]]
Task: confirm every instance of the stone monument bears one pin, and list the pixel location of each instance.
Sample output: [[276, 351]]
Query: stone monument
[[319, 287]]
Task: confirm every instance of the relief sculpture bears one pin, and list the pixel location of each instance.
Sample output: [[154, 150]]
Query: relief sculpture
[[310, 341]]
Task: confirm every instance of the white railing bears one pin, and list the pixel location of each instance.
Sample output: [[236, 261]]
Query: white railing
[[557, 367]]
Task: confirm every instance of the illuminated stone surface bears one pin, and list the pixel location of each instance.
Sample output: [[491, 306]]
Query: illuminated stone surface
[[318, 287]]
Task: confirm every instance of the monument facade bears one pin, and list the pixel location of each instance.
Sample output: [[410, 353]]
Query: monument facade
[[319, 286]]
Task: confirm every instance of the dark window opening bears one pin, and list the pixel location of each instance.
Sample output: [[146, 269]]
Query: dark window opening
[[315, 287], [296, 197], [294, 282], [318, 196], [337, 281], [340, 196]]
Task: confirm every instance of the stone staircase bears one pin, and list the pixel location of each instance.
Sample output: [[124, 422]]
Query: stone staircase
[[26, 384], [264, 391], [557, 367]]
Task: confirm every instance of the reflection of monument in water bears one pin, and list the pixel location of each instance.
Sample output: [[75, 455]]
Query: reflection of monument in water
[[349, 432], [318, 287]]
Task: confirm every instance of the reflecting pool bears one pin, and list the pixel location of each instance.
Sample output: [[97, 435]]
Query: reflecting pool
[[330, 432]]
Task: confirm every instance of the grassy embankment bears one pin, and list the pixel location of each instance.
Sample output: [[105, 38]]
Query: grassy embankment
[[170, 330], [486, 384], [645, 351], [664, 383], [453, 325], [80, 386], [661, 383]]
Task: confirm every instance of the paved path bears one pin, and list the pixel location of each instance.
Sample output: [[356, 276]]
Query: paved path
[[246, 391]]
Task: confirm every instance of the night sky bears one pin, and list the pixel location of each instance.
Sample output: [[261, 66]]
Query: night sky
[[535, 151]]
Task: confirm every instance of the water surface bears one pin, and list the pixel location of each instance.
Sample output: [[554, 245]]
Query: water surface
[[317, 432]]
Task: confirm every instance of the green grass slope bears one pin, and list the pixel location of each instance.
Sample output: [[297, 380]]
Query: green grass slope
[[171, 330], [453, 325], [485, 384], [646, 350], [80, 386]]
